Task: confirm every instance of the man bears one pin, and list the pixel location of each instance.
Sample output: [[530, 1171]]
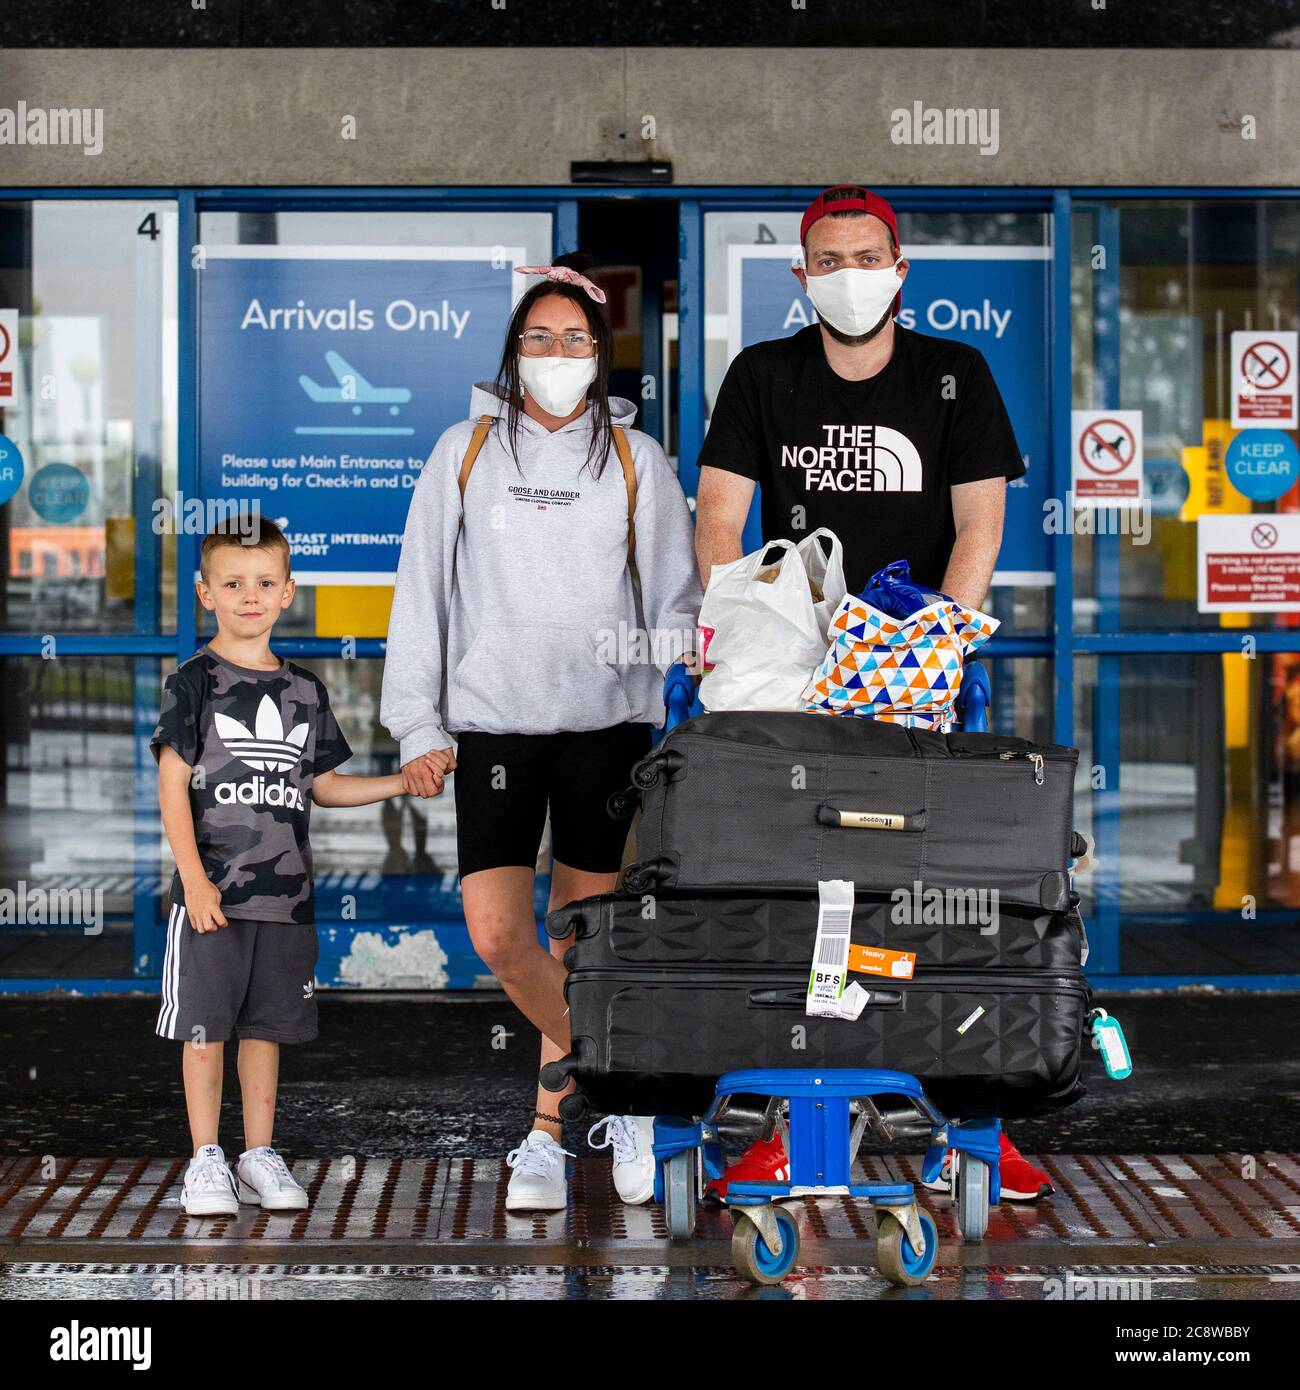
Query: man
[[897, 441]]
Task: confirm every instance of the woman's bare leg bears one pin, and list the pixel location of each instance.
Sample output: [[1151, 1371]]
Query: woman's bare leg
[[499, 913]]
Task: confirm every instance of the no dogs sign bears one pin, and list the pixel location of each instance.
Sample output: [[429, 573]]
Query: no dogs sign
[[1264, 380], [1107, 457]]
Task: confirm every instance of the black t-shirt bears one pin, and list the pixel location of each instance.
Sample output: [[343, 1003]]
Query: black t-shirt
[[873, 460], [256, 739]]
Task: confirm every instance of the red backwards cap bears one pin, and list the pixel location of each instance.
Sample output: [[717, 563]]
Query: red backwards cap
[[851, 199]]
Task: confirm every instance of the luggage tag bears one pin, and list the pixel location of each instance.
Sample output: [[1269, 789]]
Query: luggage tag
[[870, 960], [830, 965], [1108, 1039]]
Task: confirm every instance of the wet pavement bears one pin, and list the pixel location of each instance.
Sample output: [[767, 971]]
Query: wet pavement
[[1181, 1183]]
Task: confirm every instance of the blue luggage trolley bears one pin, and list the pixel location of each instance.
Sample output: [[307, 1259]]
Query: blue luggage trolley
[[823, 1116]]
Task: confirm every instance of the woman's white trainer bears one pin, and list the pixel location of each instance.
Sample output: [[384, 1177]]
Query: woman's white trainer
[[537, 1180], [632, 1138]]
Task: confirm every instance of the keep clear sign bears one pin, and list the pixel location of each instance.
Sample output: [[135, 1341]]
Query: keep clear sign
[[992, 297], [326, 375]]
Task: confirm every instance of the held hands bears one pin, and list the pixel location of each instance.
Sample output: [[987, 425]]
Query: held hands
[[203, 905], [425, 776]]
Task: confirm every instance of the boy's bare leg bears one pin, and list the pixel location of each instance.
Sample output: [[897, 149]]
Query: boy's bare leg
[[201, 1073], [567, 886], [259, 1074]]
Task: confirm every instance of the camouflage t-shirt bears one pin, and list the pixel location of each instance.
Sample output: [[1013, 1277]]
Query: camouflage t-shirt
[[256, 739]]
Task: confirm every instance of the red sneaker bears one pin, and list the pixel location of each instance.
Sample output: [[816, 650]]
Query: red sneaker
[[1021, 1181], [763, 1161]]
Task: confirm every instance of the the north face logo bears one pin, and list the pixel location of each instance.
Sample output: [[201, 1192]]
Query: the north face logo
[[267, 748], [857, 458]]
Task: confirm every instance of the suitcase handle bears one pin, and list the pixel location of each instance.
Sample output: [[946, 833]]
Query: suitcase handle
[[798, 998], [840, 817]]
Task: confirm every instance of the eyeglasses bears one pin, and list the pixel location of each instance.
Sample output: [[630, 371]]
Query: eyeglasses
[[537, 342]]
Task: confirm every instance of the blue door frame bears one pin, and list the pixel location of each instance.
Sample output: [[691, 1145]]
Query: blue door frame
[[1107, 643]]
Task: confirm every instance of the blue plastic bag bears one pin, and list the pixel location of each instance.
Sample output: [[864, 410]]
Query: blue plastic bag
[[893, 591]]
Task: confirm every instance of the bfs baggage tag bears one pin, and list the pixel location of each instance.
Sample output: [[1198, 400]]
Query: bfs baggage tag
[[830, 965]]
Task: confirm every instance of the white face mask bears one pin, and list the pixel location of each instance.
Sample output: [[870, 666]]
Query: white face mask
[[557, 384], [854, 300]]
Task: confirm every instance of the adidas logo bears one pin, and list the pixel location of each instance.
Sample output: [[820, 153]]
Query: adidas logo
[[266, 748], [309, 989]]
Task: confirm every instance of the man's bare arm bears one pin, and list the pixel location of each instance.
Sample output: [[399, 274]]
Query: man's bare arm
[[721, 506], [977, 513]]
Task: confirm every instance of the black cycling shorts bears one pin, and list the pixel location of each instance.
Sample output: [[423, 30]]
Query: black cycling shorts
[[505, 782]]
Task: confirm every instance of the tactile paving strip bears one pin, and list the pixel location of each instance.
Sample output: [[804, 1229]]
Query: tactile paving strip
[[1146, 1199]]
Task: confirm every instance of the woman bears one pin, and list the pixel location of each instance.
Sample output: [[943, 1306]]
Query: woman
[[513, 631]]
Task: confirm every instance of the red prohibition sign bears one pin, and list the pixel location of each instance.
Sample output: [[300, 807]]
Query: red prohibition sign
[[1262, 369], [1102, 448], [4, 342], [1264, 535]]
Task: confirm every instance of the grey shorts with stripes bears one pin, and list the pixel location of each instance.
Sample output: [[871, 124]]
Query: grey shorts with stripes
[[246, 979]]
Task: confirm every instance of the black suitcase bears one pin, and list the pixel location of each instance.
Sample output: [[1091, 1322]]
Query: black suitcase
[[659, 1008], [782, 800], [711, 927]]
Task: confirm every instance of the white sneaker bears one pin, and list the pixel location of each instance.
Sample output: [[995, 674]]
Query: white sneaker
[[537, 1182], [632, 1138], [947, 1172], [208, 1189], [264, 1180]]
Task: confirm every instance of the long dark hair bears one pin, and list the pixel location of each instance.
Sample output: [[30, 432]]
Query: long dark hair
[[508, 383]]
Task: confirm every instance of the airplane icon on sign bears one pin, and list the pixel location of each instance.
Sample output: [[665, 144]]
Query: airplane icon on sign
[[352, 389]]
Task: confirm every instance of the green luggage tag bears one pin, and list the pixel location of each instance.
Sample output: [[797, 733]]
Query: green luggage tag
[[1108, 1039]]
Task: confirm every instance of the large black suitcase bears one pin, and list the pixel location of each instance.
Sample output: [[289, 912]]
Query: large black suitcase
[[660, 1007], [782, 800], [713, 927]]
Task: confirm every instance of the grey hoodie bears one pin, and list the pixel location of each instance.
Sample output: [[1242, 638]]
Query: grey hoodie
[[526, 621]]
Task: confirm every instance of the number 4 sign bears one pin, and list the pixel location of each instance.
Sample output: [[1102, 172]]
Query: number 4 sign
[[1264, 380]]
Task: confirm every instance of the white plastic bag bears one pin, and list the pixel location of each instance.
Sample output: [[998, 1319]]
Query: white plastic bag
[[825, 567], [760, 639]]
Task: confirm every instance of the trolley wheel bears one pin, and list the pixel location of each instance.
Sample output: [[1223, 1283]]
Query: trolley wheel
[[898, 1261], [645, 777], [973, 1197], [679, 1194], [750, 1253]]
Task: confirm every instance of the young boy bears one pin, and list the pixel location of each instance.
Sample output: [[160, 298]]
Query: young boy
[[245, 743]]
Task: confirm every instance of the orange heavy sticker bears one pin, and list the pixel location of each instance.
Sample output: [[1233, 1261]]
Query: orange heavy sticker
[[868, 960]]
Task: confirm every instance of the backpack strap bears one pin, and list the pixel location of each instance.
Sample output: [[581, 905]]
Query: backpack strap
[[629, 477], [485, 423]]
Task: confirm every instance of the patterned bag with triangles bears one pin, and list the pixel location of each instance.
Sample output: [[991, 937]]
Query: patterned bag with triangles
[[902, 670]]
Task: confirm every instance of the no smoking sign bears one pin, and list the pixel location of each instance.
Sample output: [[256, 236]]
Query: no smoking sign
[[1248, 563], [8, 356], [1264, 380], [1107, 454]]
